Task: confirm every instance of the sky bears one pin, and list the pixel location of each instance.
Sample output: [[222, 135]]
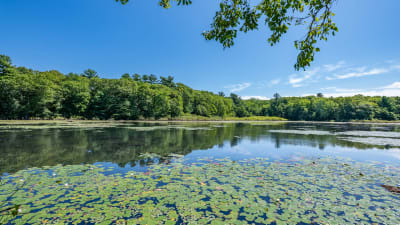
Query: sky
[[141, 37]]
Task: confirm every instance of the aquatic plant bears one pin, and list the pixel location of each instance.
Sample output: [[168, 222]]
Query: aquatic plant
[[220, 191]]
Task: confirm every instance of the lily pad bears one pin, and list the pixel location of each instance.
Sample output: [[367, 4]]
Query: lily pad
[[249, 191]]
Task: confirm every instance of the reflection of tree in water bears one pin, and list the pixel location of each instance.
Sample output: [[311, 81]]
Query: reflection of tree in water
[[47, 147], [277, 141]]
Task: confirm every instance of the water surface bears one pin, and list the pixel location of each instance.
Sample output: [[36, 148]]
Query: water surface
[[199, 173]]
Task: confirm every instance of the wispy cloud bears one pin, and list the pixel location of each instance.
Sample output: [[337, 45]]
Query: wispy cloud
[[299, 80], [382, 92], [237, 87], [389, 90], [255, 97], [336, 89], [395, 85], [333, 67], [266, 83], [353, 72], [395, 67], [274, 82], [339, 71], [360, 72]]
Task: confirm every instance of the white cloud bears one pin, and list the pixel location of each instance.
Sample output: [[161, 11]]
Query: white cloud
[[300, 80], [328, 88], [266, 83], [340, 71], [395, 67], [383, 92], [394, 85], [360, 72], [296, 81], [333, 67], [237, 87], [311, 76], [274, 82], [389, 90], [335, 89], [255, 97]]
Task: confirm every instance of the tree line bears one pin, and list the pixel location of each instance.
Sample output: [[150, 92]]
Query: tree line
[[319, 108], [31, 94], [28, 94]]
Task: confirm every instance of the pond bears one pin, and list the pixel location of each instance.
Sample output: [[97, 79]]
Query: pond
[[199, 173]]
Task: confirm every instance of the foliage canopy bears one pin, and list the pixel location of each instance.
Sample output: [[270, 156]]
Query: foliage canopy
[[27, 94], [236, 16]]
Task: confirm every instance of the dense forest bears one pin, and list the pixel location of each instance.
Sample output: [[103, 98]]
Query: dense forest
[[30, 94]]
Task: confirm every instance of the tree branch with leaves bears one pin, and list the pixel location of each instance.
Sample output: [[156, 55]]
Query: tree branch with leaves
[[236, 16]]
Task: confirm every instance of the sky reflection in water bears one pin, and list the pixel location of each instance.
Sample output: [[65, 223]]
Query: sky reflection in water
[[136, 145]]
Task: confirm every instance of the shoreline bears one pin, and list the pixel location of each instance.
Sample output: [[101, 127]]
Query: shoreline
[[21, 122]]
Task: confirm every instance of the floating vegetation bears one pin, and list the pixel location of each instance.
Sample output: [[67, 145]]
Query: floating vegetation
[[390, 142], [2, 130], [64, 125], [253, 191], [151, 128], [378, 138], [265, 123], [176, 155], [303, 132], [147, 155], [219, 126], [370, 134], [192, 128]]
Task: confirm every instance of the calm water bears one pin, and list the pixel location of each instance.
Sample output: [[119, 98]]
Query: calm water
[[155, 148], [132, 145]]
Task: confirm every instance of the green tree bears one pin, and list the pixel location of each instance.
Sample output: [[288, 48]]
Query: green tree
[[145, 78], [5, 63], [384, 114], [202, 110], [160, 106], [9, 103], [175, 107], [153, 79], [28, 94], [137, 77], [76, 97], [89, 73], [241, 111], [167, 81], [386, 102], [236, 99], [126, 76], [144, 101]]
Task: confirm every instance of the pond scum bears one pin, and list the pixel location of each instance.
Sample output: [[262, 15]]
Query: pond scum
[[208, 191]]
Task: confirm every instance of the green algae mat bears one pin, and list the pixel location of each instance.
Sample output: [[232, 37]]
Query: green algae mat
[[206, 191]]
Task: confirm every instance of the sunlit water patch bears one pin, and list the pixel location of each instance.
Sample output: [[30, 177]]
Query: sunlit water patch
[[370, 134]]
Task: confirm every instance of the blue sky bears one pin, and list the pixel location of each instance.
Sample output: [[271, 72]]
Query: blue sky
[[141, 37]]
